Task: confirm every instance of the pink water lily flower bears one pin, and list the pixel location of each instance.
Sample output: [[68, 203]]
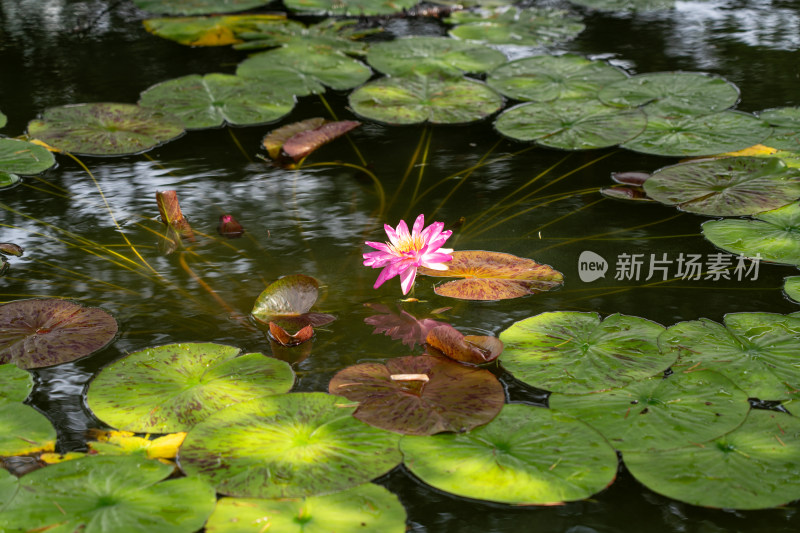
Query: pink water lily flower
[[405, 252]]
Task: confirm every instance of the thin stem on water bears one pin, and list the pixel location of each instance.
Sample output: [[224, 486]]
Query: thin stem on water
[[411, 163], [349, 139]]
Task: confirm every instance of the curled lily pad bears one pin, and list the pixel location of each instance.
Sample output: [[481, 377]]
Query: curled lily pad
[[546, 78], [573, 124], [660, 413], [493, 276], [416, 99], [401, 325], [214, 99], [197, 7], [353, 8], [21, 157], [575, 352], [527, 455], [337, 34], [367, 507], [425, 55], [420, 395], [212, 31], [109, 493], [9, 248], [287, 302], [785, 122], [791, 287], [303, 143], [726, 187], [274, 140], [771, 236], [8, 180], [626, 192], [515, 25], [173, 387], [104, 128], [38, 333], [288, 446], [748, 468], [471, 349], [757, 351]]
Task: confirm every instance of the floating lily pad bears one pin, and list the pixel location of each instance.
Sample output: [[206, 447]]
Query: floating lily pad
[[173, 387], [366, 507], [108, 493], [785, 122], [288, 446], [791, 287], [37, 333], [8, 180], [749, 468], [527, 455], [15, 383], [493, 276], [626, 192], [126, 443], [546, 78], [214, 99], [25, 430], [757, 351], [694, 135], [575, 353], [303, 143], [726, 187], [197, 7], [353, 8], [287, 302], [420, 395], [669, 93], [515, 25], [104, 129], [416, 99], [274, 140], [470, 349], [213, 31], [772, 236], [573, 124], [8, 487], [21, 157], [660, 413], [425, 55], [336, 34]]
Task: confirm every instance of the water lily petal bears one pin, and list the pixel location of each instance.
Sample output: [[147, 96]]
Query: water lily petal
[[407, 279], [419, 224]]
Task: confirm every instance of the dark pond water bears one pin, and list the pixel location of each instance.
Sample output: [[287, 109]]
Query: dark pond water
[[313, 221]]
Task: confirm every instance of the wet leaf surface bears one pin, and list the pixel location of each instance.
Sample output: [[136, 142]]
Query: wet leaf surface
[[785, 122], [287, 302], [471, 349], [426, 55], [792, 288], [212, 31], [21, 157], [274, 140], [530, 26], [301, 144], [354, 8]]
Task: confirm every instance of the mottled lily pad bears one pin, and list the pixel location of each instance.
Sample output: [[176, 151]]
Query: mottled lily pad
[[214, 99], [173, 387], [772, 236], [38, 333], [470, 349], [420, 395], [513, 25], [573, 124], [21, 157], [288, 446], [367, 507], [493, 276], [791, 287], [425, 55], [213, 31], [288, 301], [576, 352], [749, 468], [695, 135], [353, 8], [660, 413], [726, 187], [416, 99], [108, 493], [104, 129], [527, 455], [197, 7], [669, 93], [546, 78], [785, 122], [757, 351]]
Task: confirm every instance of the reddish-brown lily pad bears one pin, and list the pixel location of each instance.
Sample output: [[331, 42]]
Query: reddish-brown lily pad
[[305, 142], [287, 302], [472, 349], [284, 338], [420, 395], [46, 332], [493, 276], [275, 139]]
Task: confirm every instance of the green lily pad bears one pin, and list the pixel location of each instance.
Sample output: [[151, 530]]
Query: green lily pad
[[576, 353], [8, 487], [670, 93], [197, 7], [108, 493], [695, 135], [25, 430], [574, 124], [3, 120], [336, 34], [660, 413], [726, 187], [493, 276], [420, 395], [749, 468], [8, 180], [104, 129], [214, 99], [287, 302], [367, 507], [288, 446], [527, 455], [47, 332], [352, 8], [529, 26], [173, 387], [303, 70], [785, 122], [546, 78], [416, 99], [15, 383], [791, 287], [757, 351], [213, 31], [426, 55], [773, 236], [21, 157]]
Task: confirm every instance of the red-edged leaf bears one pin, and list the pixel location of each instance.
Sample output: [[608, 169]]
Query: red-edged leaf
[[305, 142], [171, 213], [472, 349], [631, 177], [287, 339]]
